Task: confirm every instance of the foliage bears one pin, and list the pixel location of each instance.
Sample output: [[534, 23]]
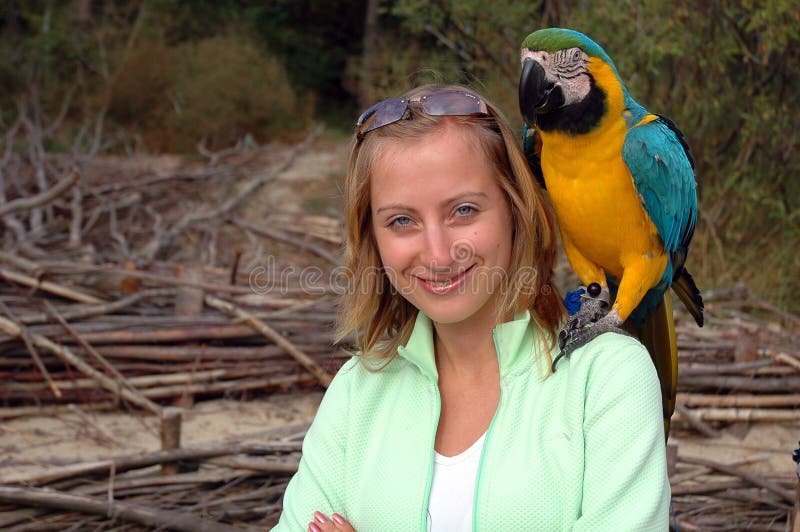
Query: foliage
[[223, 87], [314, 39], [726, 72], [164, 73], [403, 68]]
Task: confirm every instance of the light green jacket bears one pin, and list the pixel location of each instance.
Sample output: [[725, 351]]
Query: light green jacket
[[582, 449]]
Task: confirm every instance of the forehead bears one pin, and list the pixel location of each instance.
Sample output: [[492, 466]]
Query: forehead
[[440, 164]]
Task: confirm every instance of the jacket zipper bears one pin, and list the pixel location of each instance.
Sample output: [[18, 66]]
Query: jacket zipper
[[486, 444], [429, 482]]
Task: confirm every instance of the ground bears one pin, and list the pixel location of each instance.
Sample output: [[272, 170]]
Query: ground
[[31, 444]]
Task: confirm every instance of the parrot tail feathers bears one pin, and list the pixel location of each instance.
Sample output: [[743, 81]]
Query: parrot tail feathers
[[689, 294], [657, 334]]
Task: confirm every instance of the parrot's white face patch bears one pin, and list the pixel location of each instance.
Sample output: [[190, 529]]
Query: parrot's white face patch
[[568, 68]]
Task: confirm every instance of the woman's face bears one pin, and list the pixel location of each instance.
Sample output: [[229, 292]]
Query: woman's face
[[442, 224]]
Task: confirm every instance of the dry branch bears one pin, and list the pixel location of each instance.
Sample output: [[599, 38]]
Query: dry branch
[[732, 415], [280, 236], [22, 204], [695, 422], [320, 374], [120, 379], [141, 460], [752, 478], [160, 240], [14, 329], [136, 513], [739, 401], [98, 310], [48, 286], [745, 384]]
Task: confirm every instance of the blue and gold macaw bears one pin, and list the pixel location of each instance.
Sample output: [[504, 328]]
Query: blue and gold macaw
[[621, 181]]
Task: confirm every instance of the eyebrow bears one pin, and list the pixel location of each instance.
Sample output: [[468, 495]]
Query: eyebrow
[[401, 206]]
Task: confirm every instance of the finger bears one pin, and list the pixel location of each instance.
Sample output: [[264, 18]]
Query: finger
[[322, 523], [342, 523]]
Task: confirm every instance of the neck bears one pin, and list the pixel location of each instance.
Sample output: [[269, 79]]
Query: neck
[[466, 349]]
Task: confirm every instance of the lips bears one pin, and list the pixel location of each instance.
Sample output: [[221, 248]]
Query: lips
[[446, 286]]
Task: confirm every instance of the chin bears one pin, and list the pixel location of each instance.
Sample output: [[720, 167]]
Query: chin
[[450, 312]]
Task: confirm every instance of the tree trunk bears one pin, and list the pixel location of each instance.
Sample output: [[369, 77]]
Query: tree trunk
[[366, 92], [84, 11]]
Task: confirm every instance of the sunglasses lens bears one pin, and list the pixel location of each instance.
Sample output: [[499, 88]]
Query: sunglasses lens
[[441, 103], [452, 103], [381, 114]]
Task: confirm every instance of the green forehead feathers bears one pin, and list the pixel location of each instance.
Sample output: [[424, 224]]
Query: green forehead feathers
[[551, 40]]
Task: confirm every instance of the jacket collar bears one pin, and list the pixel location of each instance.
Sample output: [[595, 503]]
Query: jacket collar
[[513, 340]]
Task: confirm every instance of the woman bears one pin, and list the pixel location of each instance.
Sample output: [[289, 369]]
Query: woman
[[451, 418]]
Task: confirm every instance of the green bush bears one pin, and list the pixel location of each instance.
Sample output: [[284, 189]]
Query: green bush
[[224, 87], [137, 93]]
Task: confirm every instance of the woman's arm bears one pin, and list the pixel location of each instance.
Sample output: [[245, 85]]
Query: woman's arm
[[318, 484], [625, 475]]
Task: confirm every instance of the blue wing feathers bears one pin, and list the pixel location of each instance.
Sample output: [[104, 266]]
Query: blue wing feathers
[[662, 170]]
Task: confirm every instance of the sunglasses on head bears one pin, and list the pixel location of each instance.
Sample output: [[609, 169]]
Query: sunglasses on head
[[445, 102]]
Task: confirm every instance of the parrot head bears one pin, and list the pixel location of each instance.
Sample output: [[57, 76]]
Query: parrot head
[[560, 86]]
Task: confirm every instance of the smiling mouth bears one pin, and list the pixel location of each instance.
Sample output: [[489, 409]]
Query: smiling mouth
[[447, 286]]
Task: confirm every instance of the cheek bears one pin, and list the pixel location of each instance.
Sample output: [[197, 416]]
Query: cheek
[[394, 252]]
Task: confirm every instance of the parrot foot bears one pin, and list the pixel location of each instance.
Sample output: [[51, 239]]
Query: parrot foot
[[584, 325]]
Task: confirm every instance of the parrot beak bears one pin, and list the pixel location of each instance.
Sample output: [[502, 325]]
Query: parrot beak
[[537, 95]]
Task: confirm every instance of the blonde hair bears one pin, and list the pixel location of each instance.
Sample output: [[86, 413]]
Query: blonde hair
[[379, 318]]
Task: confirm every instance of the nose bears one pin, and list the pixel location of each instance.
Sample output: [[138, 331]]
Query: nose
[[436, 253]]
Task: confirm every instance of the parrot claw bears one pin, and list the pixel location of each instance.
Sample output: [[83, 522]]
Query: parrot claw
[[584, 326]]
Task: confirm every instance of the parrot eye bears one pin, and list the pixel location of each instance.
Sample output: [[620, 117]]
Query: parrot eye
[[576, 54]]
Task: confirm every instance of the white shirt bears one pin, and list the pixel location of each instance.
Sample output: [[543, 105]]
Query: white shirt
[[453, 490]]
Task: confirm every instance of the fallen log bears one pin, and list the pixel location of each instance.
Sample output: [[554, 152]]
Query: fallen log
[[124, 511], [750, 384], [732, 415], [739, 401], [139, 460]]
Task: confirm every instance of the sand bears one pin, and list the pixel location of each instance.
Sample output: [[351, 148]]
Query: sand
[[32, 444]]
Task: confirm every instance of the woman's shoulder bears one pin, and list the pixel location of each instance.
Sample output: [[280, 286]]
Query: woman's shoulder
[[612, 353], [359, 371]]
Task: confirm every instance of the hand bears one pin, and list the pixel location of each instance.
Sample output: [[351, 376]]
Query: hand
[[322, 523]]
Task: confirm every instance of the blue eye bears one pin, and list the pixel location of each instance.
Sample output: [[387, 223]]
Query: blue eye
[[400, 221], [465, 210]]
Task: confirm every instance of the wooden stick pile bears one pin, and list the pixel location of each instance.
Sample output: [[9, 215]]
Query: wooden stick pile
[[740, 366], [120, 296], [232, 484], [743, 366], [709, 495]]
